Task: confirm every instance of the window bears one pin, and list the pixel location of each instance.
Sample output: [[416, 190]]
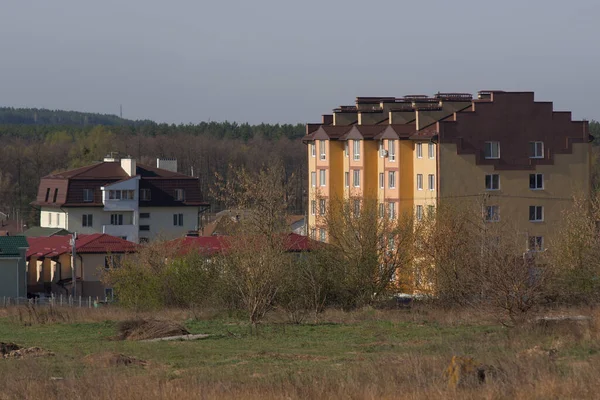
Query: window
[[49, 219], [431, 150], [430, 210], [177, 219], [419, 213], [356, 178], [392, 150], [536, 243], [144, 239], [87, 220], [419, 150], [356, 144], [381, 180], [536, 149], [346, 151], [356, 207], [88, 195], [322, 149], [322, 207], [313, 149], [112, 261], [392, 210], [381, 149], [322, 176], [179, 194], [431, 181], [419, 181], [145, 194], [322, 234], [57, 219], [381, 210], [492, 182], [108, 294], [492, 149], [117, 194], [144, 227], [313, 207], [313, 179], [116, 219], [492, 214], [55, 195], [347, 179], [313, 233], [536, 181], [392, 179], [536, 213], [144, 215], [47, 194]]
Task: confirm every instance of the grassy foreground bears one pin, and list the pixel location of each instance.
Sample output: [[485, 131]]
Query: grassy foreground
[[364, 354]]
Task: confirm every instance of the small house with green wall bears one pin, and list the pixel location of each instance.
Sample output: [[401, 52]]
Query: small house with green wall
[[13, 267]]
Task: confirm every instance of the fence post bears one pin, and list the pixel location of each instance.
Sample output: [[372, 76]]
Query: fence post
[[89, 301]]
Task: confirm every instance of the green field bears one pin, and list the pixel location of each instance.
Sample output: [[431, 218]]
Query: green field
[[365, 354]]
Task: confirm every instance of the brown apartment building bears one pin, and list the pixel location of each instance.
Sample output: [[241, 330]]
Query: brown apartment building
[[518, 157]]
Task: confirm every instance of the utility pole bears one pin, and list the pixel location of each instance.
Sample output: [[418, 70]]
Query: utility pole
[[73, 266]]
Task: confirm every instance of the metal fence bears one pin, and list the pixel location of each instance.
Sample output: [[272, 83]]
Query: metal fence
[[64, 301]]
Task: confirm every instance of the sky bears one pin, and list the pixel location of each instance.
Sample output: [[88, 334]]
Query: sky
[[281, 61]]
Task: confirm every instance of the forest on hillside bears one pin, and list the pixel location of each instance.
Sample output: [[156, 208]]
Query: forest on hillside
[[59, 140]]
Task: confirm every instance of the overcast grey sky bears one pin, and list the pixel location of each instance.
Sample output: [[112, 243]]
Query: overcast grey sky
[[286, 61]]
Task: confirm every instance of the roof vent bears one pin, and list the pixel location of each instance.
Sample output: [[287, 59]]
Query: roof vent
[[169, 164]]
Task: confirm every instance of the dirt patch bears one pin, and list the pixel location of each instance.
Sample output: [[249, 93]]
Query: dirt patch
[[12, 350], [110, 359], [143, 329]]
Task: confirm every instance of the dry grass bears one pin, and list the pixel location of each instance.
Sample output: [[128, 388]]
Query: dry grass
[[368, 354], [142, 329]]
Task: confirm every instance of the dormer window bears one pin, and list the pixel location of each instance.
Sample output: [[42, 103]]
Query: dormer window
[[322, 149], [536, 149], [179, 194], [88, 195], [47, 194], [55, 195], [356, 148], [492, 150], [145, 194], [313, 150]]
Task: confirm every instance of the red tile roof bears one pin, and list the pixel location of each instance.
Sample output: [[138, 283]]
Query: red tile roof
[[209, 245], [98, 243]]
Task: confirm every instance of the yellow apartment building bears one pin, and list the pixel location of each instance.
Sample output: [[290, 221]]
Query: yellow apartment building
[[518, 157]]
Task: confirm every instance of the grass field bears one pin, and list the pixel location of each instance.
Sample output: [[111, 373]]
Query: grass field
[[364, 354]]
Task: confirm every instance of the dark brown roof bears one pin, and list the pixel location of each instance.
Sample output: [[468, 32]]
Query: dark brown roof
[[109, 170]]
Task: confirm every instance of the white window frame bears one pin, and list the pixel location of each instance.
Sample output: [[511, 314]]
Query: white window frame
[[381, 210], [392, 210], [419, 150], [419, 181], [58, 219], [356, 178], [313, 207], [535, 178], [88, 195], [346, 149], [117, 219], [535, 214], [322, 234], [381, 149], [491, 187], [431, 182], [533, 149], [322, 206], [382, 180], [322, 178], [145, 194], [538, 243], [178, 219], [347, 179], [49, 219], [180, 194], [392, 179], [87, 220], [392, 150], [313, 178], [356, 149], [313, 149], [322, 150], [431, 151], [419, 212], [491, 213], [356, 207], [491, 145]]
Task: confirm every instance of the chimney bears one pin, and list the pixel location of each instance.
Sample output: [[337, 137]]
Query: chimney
[[327, 119], [129, 165], [169, 164]]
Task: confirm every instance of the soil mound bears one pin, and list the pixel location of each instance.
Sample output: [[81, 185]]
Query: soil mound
[[142, 329], [110, 359], [12, 350]]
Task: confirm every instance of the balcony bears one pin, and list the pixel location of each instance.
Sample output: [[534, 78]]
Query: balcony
[[120, 205], [128, 231]]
